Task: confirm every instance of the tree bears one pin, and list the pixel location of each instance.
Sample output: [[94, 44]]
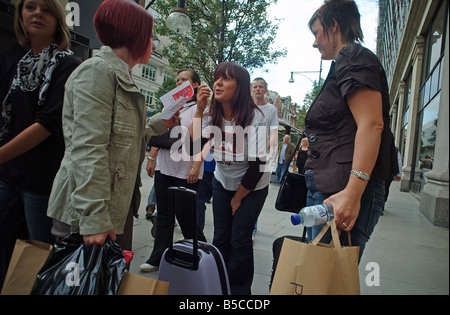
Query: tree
[[222, 30], [307, 102]]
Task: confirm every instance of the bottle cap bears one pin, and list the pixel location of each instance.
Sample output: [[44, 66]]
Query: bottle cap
[[296, 219]]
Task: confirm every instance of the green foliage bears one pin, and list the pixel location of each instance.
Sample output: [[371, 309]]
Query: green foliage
[[307, 102], [222, 30]]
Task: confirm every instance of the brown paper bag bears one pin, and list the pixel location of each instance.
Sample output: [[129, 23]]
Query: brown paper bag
[[27, 259], [138, 285], [315, 268]]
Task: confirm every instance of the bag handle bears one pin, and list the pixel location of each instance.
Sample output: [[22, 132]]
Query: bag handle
[[189, 192], [334, 235]]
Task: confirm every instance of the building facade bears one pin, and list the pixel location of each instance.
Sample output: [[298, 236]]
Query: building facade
[[413, 46]]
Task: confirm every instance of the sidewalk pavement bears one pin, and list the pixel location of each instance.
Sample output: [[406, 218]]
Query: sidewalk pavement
[[411, 253]]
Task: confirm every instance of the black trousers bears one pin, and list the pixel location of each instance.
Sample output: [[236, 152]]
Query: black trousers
[[183, 215]]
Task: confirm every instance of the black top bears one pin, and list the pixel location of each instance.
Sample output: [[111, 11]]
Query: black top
[[35, 170], [302, 156], [330, 125]]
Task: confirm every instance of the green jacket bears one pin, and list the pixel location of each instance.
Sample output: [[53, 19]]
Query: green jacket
[[104, 124]]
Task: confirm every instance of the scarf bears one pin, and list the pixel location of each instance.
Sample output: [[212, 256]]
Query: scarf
[[32, 72]]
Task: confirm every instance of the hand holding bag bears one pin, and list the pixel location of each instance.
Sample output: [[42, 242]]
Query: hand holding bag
[[315, 268], [73, 268], [293, 191]]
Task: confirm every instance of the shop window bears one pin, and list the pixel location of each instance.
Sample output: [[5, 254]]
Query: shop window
[[429, 99]]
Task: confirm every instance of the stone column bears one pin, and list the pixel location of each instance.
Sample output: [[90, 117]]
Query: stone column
[[417, 61], [434, 198]]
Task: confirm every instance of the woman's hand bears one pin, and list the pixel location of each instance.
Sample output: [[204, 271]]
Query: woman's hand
[[235, 204], [203, 93], [99, 239], [346, 206]]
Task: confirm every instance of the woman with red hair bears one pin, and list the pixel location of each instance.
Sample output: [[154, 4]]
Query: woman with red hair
[[105, 128]]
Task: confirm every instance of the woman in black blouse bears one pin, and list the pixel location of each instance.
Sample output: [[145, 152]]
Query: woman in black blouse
[[31, 141], [348, 125]]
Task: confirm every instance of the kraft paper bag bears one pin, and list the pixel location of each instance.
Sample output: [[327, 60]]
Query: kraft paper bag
[[27, 259], [317, 269], [133, 284]]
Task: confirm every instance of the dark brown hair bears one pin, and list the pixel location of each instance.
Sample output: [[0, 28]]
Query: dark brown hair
[[346, 14], [195, 77], [243, 105]]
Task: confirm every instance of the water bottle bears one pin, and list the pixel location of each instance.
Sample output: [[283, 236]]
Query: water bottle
[[313, 215]]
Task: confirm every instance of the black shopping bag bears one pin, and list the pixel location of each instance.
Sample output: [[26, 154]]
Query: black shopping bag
[[72, 268]]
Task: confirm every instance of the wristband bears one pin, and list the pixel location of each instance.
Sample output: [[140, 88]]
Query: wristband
[[151, 158]]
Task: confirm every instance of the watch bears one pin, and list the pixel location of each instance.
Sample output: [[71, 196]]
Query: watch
[[360, 175]]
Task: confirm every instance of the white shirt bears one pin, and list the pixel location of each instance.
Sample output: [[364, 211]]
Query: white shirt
[[179, 163]]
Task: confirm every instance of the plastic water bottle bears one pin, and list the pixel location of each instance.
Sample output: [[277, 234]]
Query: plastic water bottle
[[313, 215]]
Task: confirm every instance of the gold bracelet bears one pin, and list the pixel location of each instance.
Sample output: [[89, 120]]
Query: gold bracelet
[[195, 169]]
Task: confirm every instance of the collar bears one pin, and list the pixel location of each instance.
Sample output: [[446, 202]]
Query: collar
[[120, 68]]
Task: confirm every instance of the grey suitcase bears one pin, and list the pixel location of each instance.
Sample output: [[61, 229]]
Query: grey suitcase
[[192, 267]]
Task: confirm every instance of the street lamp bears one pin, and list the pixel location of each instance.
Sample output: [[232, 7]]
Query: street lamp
[[178, 21], [291, 80]]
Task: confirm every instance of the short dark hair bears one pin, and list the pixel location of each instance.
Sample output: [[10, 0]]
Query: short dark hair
[[260, 79], [124, 23], [346, 14], [195, 77]]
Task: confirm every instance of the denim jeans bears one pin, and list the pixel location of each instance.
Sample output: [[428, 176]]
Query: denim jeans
[[204, 195], [17, 207], [372, 204], [233, 234], [151, 201], [281, 169], [35, 212]]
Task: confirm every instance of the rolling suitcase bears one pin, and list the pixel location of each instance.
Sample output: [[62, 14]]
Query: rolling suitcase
[[192, 267]]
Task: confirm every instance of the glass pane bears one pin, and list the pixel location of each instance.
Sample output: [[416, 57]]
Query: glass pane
[[435, 81], [427, 125], [436, 38]]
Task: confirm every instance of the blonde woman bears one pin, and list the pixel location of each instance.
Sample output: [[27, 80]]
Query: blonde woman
[[31, 141]]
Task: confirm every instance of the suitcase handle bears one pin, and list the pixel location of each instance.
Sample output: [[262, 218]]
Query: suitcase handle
[[172, 254]]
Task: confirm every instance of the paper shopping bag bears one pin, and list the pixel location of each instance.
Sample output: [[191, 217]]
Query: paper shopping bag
[[26, 260], [138, 285], [317, 269]]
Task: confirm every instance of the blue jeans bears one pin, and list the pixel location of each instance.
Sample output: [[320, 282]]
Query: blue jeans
[[372, 204], [151, 201], [205, 192], [17, 207], [35, 212], [233, 234], [281, 169]]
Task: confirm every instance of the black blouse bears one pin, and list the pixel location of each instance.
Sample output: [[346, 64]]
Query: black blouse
[[331, 128], [35, 170]]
